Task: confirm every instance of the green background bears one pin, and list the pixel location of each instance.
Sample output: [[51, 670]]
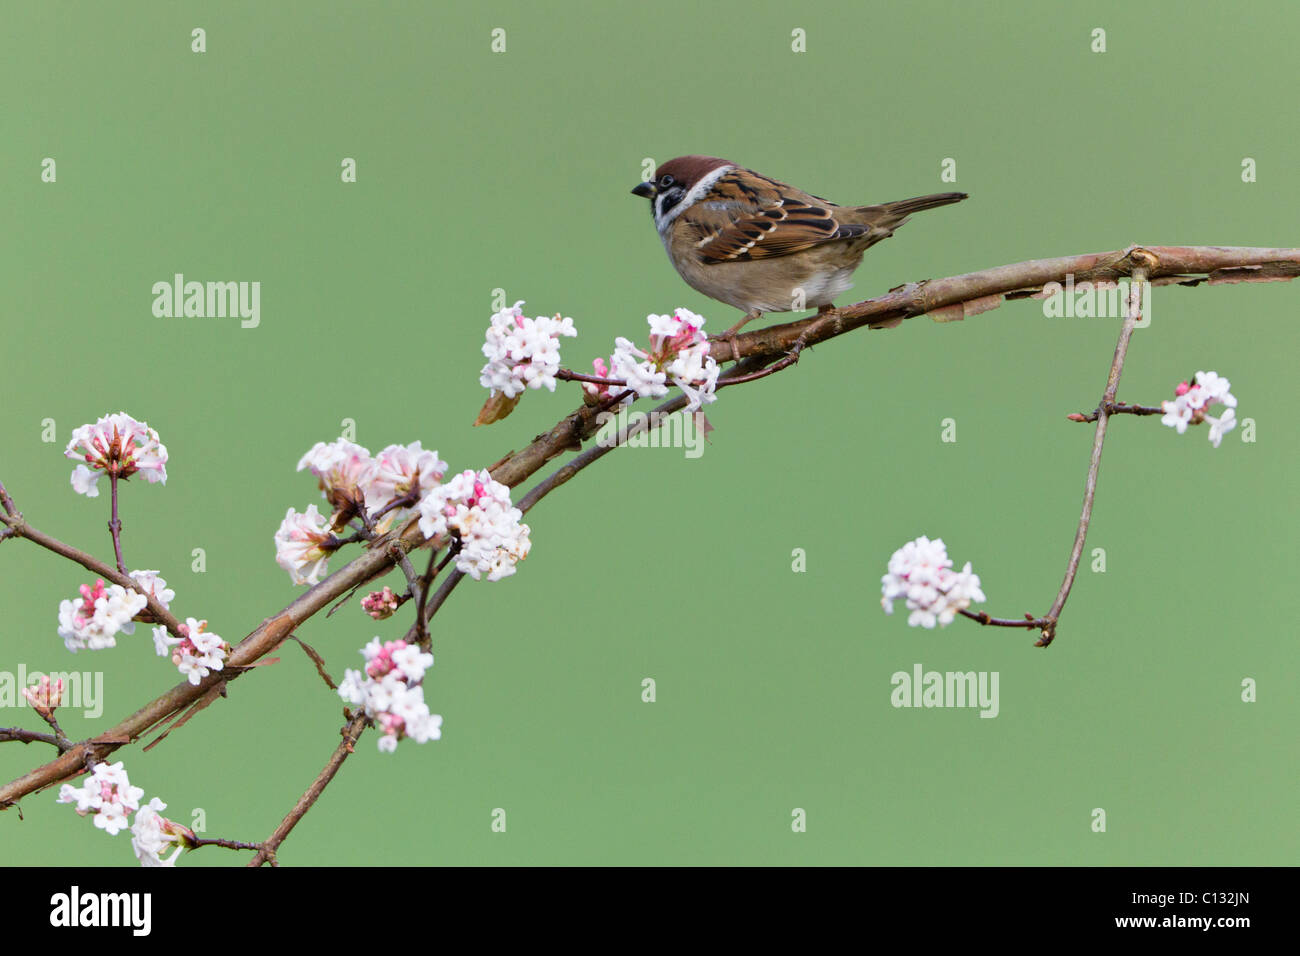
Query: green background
[[480, 171]]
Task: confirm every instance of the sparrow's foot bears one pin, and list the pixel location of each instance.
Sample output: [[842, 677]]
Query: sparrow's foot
[[750, 316], [729, 336]]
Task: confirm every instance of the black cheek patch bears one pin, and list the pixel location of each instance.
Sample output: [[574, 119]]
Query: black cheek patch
[[667, 200]]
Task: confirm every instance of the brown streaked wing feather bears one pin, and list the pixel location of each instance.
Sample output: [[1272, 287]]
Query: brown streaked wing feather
[[746, 217]]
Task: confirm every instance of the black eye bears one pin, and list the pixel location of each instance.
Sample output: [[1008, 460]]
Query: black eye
[[665, 181]]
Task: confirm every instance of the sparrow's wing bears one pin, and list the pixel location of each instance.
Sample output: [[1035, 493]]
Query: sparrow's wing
[[746, 216]]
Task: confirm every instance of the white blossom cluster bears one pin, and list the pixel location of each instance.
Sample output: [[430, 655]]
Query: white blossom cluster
[[153, 834], [116, 444], [522, 352], [679, 352], [349, 475], [681, 336], [196, 654], [303, 545], [94, 620], [401, 471], [1192, 402], [635, 368], [109, 795], [921, 572], [342, 468], [351, 478], [492, 537], [389, 690], [471, 504]]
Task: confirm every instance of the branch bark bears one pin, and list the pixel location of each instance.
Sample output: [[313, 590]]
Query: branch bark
[[944, 300]]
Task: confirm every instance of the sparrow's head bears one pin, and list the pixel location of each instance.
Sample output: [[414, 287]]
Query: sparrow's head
[[678, 184]]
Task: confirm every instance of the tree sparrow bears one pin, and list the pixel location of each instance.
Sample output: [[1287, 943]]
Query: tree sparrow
[[760, 245]]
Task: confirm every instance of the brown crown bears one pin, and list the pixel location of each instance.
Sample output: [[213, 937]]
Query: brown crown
[[690, 169]]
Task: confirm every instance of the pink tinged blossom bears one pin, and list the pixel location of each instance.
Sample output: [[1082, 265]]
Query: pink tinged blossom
[[380, 604], [94, 620], [695, 372], [596, 392], [46, 696], [344, 471], [400, 471], [83, 797], [111, 818], [1221, 426], [679, 352], [1193, 402], [477, 509], [196, 654], [411, 662], [1178, 413], [108, 794], [116, 445], [670, 334], [921, 572], [303, 545], [638, 370], [522, 352], [692, 369], [1216, 389], [152, 835], [162, 642], [391, 694], [150, 583], [379, 657]]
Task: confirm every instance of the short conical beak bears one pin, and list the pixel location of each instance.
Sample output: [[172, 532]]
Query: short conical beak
[[646, 190]]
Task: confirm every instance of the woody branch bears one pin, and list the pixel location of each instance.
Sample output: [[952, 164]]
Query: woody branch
[[762, 350]]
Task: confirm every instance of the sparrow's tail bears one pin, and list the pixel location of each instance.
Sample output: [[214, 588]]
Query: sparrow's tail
[[890, 215]]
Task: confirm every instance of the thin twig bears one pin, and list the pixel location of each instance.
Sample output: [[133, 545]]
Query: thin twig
[[47, 715], [422, 622], [266, 851], [22, 529], [408, 499], [1029, 621], [115, 525], [228, 844], [444, 591], [790, 358], [412, 579], [1132, 314], [568, 375], [6, 502], [22, 736], [1117, 408], [418, 632]]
